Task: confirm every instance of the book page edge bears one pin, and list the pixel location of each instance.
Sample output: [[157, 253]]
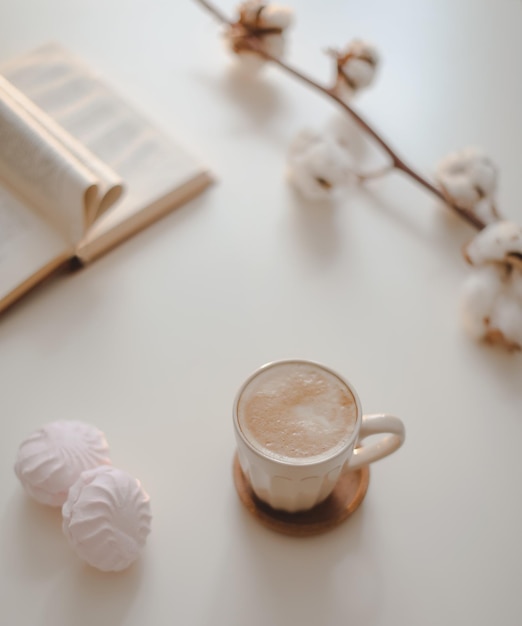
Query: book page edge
[[91, 250], [60, 262]]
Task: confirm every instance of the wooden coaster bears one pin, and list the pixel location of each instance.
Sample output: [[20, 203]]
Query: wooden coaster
[[340, 504]]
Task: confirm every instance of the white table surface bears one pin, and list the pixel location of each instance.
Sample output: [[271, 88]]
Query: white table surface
[[151, 342]]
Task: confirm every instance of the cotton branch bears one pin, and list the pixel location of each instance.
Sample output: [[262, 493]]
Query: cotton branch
[[251, 42], [465, 181]]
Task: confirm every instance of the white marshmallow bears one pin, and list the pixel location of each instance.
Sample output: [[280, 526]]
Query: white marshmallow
[[51, 459], [106, 518]]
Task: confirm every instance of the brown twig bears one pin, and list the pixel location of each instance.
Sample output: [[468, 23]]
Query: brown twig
[[397, 162]]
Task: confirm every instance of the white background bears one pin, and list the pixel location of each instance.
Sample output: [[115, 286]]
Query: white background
[[151, 342]]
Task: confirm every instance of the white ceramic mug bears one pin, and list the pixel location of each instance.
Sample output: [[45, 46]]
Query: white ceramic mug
[[300, 484]]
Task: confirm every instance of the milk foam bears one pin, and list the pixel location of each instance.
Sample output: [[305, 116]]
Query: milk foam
[[297, 410]]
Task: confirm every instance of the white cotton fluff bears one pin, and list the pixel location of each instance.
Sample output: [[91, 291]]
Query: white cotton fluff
[[485, 210], [357, 67], [516, 284], [107, 518], [468, 177], [317, 165], [248, 62], [491, 306], [251, 62], [262, 15], [479, 295], [359, 71], [507, 318], [259, 17], [274, 45], [494, 243]]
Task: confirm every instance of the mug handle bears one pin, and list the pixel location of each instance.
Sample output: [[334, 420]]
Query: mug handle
[[376, 424]]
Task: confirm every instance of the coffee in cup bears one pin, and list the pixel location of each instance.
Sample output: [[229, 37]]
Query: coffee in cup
[[298, 425]]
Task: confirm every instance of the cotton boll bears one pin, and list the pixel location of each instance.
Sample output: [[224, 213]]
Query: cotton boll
[[249, 12], [264, 22], [275, 16], [274, 45], [303, 141], [479, 293], [359, 72], [491, 305], [349, 135], [475, 165], [256, 15], [506, 319], [486, 211], [249, 62], [492, 296], [483, 171], [317, 165], [494, 243], [467, 177], [356, 68], [460, 189], [516, 283]]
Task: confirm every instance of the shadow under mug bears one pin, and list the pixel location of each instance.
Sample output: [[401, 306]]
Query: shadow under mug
[[299, 485]]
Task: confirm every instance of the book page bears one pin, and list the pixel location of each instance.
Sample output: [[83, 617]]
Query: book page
[[37, 168], [109, 184], [28, 245], [157, 172]]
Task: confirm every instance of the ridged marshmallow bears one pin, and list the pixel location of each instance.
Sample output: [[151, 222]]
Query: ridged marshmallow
[[106, 518], [51, 459]]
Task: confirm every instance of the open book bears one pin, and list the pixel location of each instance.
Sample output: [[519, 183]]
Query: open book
[[80, 170]]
